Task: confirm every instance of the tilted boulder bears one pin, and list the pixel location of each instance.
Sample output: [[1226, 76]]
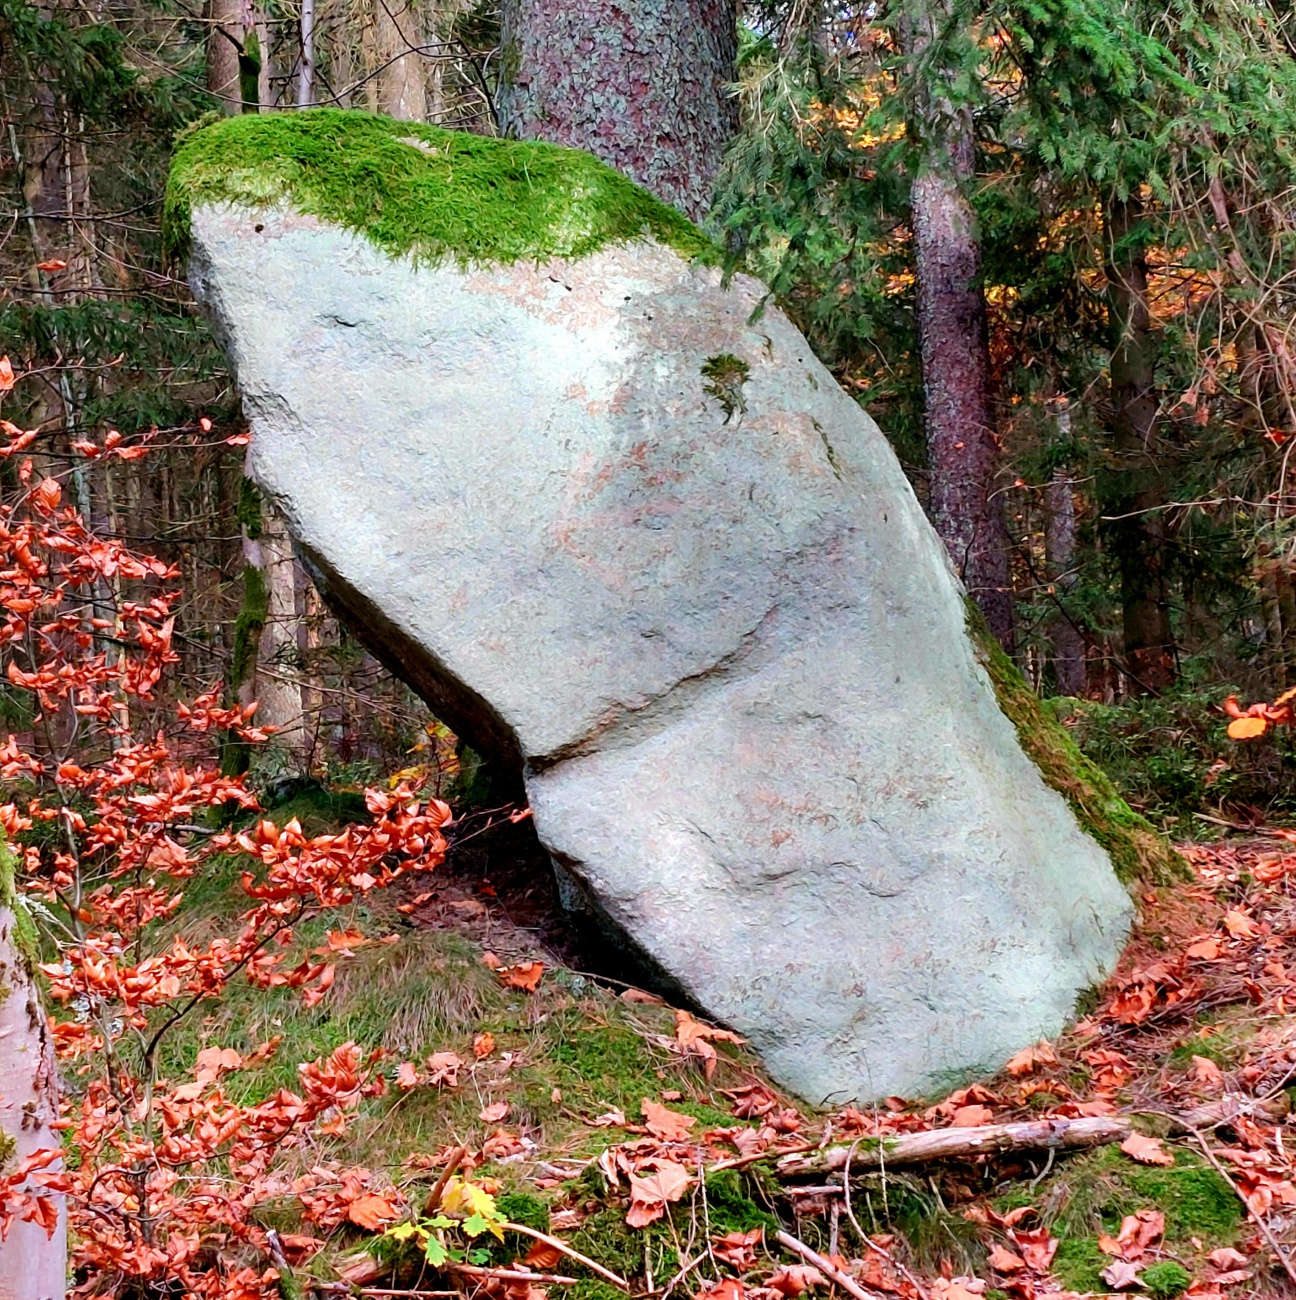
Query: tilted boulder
[[626, 534]]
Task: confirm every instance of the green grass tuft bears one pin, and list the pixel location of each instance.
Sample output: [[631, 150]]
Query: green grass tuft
[[420, 190], [1138, 853]]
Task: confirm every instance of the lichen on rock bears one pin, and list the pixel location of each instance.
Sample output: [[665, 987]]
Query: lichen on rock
[[420, 190]]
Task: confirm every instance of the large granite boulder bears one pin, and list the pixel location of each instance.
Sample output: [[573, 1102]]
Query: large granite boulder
[[626, 533]]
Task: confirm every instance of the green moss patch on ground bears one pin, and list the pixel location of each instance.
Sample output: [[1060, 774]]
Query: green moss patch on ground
[[1092, 1193], [420, 190], [1139, 854]]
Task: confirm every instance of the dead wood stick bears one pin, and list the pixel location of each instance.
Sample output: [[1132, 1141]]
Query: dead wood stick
[[830, 1271], [1257, 1219], [438, 1188], [507, 1274], [593, 1265], [868, 1241], [1215, 1113], [962, 1143]]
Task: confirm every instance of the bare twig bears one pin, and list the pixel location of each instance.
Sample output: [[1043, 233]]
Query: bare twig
[[438, 1189], [1288, 1267], [830, 1271], [593, 1265], [869, 1242], [508, 1274]]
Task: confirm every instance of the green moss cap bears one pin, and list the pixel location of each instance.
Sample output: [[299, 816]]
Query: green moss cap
[[420, 190]]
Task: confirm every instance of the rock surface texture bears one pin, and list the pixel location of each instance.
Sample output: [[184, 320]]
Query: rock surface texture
[[649, 553]]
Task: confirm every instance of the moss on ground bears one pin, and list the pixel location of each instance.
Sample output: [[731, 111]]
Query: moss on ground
[[420, 190], [1138, 853], [1092, 1193]]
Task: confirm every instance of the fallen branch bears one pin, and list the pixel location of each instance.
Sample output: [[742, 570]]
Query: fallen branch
[[1227, 1109], [507, 1274], [830, 1271], [961, 1144], [593, 1265]]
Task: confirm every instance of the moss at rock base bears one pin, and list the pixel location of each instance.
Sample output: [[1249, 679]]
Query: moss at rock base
[[418, 189], [1138, 852]]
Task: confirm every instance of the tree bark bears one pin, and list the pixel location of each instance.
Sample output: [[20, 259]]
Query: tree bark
[[224, 40], [1059, 557], [401, 82], [33, 1265], [643, 87], [961, 447], [306, 70], [1136, 500]]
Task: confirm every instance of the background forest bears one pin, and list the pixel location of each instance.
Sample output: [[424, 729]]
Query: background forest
[[1119, 176], [1051, 246]]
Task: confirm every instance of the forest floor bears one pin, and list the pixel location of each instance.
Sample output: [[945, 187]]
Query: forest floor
[[650, 1144]]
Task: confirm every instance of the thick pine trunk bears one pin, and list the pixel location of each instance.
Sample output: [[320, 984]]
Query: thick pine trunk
[[33, 1264], [643, 87], [961, 448], [224, 39], [1136, 500]]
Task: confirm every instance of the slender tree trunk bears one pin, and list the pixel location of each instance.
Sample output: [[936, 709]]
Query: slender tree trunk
[[1136, 497], [1059, 555], [306, 71], [643, 87], [401, 83], [961, 446], [33, 1264], [279, 684]]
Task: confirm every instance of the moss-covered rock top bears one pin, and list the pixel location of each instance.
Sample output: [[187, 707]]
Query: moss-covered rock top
[[420, 190]]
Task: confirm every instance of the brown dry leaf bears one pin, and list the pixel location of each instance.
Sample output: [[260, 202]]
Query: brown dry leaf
[[1037, 1246], [483, 1045], [1207, 1073], [694, 1038], [543, 1257], [372, 1212], [1227, 1257], [525, 975], [444, 1067], [792, 1279], [1207, 949], [1121, 1274], [971, 1116], [1003, 1260], [345, 940], [1029, 1059], [489, 959], [641, 998], [728, 1288], [1139, 1231], [1147, 1150], [495, 1112], [212, 1061], [609, 1119], [1240, 925], [652, 1187], [738, 1248], [502, 1143], [407, 1076], [668, 1125]]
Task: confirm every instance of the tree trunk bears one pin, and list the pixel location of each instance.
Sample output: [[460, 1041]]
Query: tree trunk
[[643, 87], [33, 1264], [961, 447], [1059, 555], [224, 40], [306, 72], [279, 684], [1136, 500], [402, 85]]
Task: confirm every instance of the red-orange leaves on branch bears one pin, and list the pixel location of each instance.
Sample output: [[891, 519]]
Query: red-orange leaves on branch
[[171, 1167]]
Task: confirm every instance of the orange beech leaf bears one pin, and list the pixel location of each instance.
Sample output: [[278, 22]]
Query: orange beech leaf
[[1003, 1260], [1247, 728], [495, 1112], [525, 975], [372, 1212], [483, 1045], [728, 1288], [1146, 1150], [6, 374], [407, 1076], [1030, 1059], [793, 1279], [668, 1125]]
